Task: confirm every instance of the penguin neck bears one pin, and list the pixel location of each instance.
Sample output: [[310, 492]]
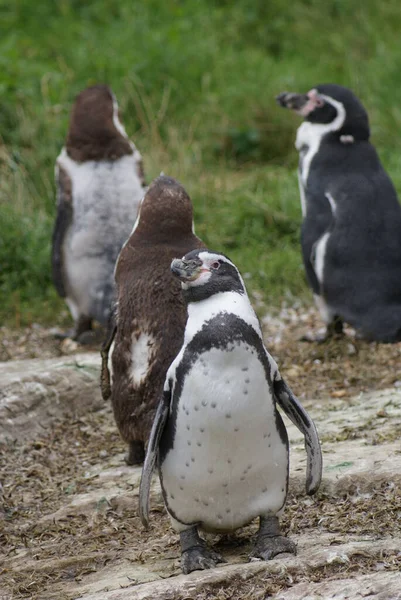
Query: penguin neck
[[228, 302]]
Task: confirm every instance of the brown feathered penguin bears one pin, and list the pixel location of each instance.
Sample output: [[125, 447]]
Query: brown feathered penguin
[[150, 314], [99, 179]]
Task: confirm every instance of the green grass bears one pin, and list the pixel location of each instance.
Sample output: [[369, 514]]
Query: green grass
[[196, 82]]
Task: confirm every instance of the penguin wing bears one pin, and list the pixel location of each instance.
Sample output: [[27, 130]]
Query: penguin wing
[[301, 419], [63, 221], [105, 385], [151, 455]]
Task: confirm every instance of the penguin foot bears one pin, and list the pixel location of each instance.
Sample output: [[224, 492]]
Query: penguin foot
[[135, 454], [270, 542], [62, 335], [199, 559], [196, 556], [269, 547], [334, 330], [90, 337]]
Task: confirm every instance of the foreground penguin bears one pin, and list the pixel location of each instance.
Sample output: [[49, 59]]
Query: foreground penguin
[[151, 313], [351, 230], [220, 442], [99, 178]]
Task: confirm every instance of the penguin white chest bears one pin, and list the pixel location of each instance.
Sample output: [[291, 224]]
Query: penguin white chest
[[229, 461]]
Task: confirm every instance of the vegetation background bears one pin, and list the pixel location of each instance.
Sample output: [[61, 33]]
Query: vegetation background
[[196, 82]]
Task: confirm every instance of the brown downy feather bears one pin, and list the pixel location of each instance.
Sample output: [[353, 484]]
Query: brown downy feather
[[150, 303], [92, 134]]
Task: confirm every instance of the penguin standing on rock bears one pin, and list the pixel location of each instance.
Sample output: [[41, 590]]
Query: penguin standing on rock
[[351, 230], [99, 178], [150, 312], [220, 442]]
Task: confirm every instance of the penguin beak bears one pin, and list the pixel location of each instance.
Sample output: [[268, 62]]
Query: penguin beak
[[302, 104], [186, 270]]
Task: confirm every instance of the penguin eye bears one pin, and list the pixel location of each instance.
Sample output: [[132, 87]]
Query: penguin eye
[[215, 265]]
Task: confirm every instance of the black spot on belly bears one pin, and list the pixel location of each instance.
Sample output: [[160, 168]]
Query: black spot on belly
[[213, 334]]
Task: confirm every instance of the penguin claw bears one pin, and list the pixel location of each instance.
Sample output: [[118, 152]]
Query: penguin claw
[[268, 547], [199, 559]]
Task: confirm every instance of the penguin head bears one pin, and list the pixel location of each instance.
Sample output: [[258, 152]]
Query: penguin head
[[204, 273], [95, 130], [165, 214], [332, 105]]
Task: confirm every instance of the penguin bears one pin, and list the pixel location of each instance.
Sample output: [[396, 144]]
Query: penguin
[[100, 182], [351, 228], [150, 313], [218, 437]]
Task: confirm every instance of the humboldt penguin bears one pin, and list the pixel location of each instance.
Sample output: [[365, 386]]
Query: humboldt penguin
[[351, 229], [100, 182], [150, 312], [218, 437]]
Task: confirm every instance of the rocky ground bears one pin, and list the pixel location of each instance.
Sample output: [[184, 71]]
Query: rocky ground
[[69, 526]]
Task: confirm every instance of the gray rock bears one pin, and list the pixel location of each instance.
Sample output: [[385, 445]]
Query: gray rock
[[33, 393]]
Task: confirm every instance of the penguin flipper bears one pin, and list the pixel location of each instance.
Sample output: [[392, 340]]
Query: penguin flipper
[[63, 221], [301, 419], [105, 384], [151, 456]]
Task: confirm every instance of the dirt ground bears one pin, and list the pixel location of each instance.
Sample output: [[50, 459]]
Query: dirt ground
[[38, 477], [339, 368]]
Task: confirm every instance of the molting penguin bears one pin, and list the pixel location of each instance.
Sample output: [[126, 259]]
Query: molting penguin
[[220, 442], [150, 313], [99, 178], [351, 230]]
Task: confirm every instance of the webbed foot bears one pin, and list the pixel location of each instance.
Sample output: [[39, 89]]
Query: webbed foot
[[195, 554], [199, 558], [135, 454], [334, 330], [270, 542]]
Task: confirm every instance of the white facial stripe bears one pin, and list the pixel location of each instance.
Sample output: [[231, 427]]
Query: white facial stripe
[[117, 123], [311, 134], [313, 102], [210, 257]]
